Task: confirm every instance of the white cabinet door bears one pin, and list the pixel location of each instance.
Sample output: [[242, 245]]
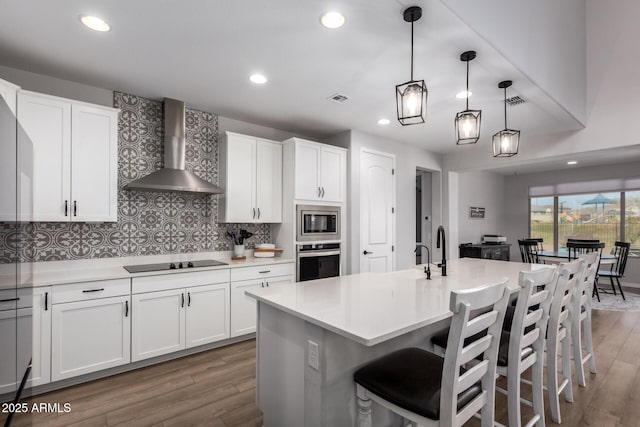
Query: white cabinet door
[[8, 149], [307, 170], [207, 316], [26, 335], [94, 173], [89, 336], [243, 307], [44, 152], [40, 334], [283, 280], [268, 181], [332, 174], [240, 179], [158, 323]]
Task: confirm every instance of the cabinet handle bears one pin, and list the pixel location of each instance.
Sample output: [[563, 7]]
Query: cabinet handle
[[319, 191], [323, 192], [262, 284], [182, 304], [267, 284], [66, 208], [264, 271], [254, 213], [10, 299], [126, 308], [188, 299], [92, 290], [46, 301], [258, 213], [75, 208]]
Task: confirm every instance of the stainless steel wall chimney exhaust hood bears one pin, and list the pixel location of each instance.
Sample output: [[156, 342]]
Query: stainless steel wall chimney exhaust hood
[[173, 176]]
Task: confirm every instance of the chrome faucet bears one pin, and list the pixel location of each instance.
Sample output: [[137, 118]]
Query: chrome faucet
[[443, 264], [427, 269]]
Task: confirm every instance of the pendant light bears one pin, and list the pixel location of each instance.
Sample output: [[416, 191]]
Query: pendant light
[[411, 97], [468, 121], [506, 142]]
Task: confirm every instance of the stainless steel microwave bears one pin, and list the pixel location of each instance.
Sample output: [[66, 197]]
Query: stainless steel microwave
[[317, 223]]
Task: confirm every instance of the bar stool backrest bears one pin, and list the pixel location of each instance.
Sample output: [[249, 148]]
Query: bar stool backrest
[[583, 292], [492, 299], [562, 297]]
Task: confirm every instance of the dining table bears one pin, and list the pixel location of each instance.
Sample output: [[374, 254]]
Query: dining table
[[562, 255]]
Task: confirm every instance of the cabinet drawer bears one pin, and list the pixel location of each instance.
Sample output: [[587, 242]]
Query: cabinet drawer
[[178, 280], [11, 299], [86, 291], [259, 272]]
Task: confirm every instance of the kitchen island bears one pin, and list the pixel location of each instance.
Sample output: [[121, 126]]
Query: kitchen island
[[312, 336]]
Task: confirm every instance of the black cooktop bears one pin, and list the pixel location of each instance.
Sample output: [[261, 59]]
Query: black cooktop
[[185, 265]]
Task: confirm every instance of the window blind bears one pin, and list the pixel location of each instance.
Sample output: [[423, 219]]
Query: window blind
[[597, 186]]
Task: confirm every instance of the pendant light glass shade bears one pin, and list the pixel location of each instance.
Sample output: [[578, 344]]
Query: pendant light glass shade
[[412, 102], [507, 141], [467, 122], [411, 97]]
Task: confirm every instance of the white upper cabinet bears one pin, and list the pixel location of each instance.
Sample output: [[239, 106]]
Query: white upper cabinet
[[67, 157], [251, 176], [320, 172], [8, 93]]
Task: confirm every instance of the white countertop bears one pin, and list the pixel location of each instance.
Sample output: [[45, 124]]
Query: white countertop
[[371, 308], [62, 272]]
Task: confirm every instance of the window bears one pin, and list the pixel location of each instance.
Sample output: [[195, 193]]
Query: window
[[541, 220], [606, 216], [632, 221], [589, 216]]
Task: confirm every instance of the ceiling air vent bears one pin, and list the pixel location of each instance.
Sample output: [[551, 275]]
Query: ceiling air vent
[[338, 98], [515, 100]]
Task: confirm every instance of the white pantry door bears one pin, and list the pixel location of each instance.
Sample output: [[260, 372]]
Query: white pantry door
[[377, 201]]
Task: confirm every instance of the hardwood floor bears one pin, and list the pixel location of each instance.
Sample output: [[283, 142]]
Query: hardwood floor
[[217, 388]]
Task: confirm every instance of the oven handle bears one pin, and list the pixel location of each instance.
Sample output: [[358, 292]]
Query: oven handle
[[317, 253]]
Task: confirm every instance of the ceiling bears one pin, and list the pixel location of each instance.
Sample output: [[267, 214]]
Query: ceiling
[[203, 52]]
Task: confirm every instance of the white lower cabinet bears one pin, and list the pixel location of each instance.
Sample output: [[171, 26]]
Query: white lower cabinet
[[158, 324], [172, 320], [26, 336], [243, 307], [89, 336]]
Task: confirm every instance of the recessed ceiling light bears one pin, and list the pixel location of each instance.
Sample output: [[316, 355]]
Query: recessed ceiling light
[[95, 23], [258, 79], [384, 122], [464, 94], [332, 20], [572, 162]]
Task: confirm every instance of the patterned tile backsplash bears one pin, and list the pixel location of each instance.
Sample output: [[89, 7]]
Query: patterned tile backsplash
[[148, 223]]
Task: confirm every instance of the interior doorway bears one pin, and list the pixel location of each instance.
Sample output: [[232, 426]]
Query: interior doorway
[[423, 214]]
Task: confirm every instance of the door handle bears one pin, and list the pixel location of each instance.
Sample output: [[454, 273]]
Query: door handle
[[66, 208], [366, 252]]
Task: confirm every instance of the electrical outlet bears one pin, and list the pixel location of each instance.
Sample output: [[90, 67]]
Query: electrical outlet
[[313, 355]]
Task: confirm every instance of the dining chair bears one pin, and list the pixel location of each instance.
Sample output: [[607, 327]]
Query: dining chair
[[559, 337], [621, 252], [581, 317], [431, 390], [540, 241], [529, 251]]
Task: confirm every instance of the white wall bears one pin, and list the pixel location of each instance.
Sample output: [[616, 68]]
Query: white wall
[[408, 159], [483, 189], [516, 196], [543, 39]]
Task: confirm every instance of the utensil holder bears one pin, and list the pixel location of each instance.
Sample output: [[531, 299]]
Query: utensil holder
[[238, 250]]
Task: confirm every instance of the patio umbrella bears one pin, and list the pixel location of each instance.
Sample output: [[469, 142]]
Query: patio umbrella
[[600, 199]]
